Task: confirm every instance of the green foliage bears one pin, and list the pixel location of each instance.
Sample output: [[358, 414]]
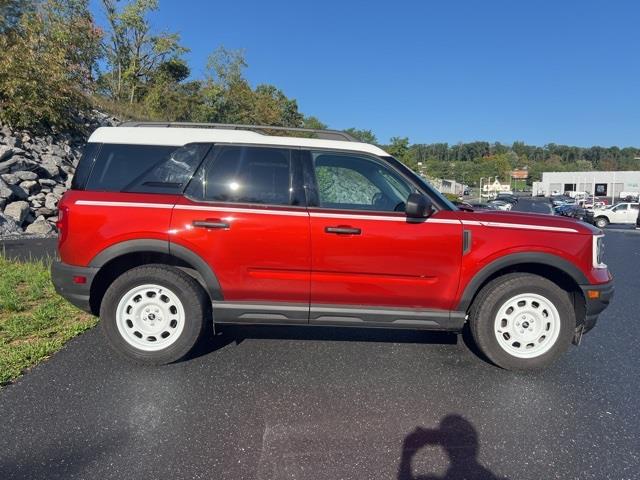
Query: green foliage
[[227, 97], [133, 52], [47, 64], [366, 136], [11, 11], [313, 122], [34, 320]]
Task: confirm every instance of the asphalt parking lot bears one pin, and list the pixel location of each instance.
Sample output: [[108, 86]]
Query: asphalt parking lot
[[272, 403]]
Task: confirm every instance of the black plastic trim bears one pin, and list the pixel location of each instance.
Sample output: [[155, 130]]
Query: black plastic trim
[[594, 307], [162, 246], [387, 317], [62, 278], [280, 313], [261, 313], [466, 241], [513, 260]]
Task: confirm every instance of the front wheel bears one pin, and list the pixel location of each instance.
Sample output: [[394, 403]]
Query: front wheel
[[601, 222], [153, 314], [522, 321]]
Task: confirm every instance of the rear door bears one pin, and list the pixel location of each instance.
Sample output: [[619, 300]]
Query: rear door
[[369, 261], [244, 214]]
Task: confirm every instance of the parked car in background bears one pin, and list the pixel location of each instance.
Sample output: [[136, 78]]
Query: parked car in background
[[501, 205], [483, 206], [558, 200], [535, 206], [625, 213], [507, 197], [574, 211]]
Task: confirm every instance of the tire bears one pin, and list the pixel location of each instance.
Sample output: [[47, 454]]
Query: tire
[[602, 222], [154, 314], [512, 339]]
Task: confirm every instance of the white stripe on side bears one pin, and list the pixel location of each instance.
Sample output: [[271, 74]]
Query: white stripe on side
[[242, 210], [100, 203], [523, 226], [387, 218]]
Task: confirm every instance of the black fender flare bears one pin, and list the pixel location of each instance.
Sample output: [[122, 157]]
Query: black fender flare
[[537, 258], [162, 246]]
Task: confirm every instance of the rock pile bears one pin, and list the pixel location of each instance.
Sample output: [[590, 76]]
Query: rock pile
[[34, 173]]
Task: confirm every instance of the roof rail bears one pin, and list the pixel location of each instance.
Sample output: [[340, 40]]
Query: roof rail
[[262, 129]]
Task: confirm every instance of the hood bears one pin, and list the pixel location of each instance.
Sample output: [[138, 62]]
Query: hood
[[529, 221]]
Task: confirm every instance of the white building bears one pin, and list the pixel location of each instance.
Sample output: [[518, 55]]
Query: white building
[[490, 190], [604, 184], [445, 185]]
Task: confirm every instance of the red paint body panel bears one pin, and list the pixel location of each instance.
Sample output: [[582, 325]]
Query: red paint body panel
[[261, 257], [284, 254], [89, 229], [390, 263]]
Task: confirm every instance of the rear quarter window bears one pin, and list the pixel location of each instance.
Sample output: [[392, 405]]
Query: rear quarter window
[[84, 166], [144, 168]]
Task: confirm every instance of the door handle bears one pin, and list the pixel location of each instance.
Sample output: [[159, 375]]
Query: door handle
[[343, 230], [213, 223]]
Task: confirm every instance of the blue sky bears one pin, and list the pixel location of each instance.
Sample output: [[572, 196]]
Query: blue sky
[[436, 71]]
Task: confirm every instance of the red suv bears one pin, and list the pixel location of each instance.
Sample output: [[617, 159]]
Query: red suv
[[168, 227]]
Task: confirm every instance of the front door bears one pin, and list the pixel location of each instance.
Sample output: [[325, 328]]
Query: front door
[[245, 216], [369, 262]]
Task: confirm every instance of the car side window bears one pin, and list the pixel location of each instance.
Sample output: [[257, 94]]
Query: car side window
[[354, 182], [249, 175], [620, 208], [144, 168]]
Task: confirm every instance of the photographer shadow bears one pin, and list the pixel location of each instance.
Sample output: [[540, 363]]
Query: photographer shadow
[[459, 439]]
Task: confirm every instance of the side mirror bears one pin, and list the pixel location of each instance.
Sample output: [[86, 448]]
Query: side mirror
[[418, 206]]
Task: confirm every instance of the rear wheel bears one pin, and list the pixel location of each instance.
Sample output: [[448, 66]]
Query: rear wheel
[[522, 321], [602, 222], [153, 314]]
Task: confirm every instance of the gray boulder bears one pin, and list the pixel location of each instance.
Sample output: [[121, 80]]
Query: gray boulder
[[43, 211], [10, 178], [26, 175], [30, 186], [39, 227], [12, 141], [18, 211], [8, 226], [5, 152], [51, 201], [5, 190], [5, 166]]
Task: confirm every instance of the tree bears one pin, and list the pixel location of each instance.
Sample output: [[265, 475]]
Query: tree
[[227, 96], [313, 122], [46, 70], [11, 11], [399, 149], [133, 52], [366, 136]]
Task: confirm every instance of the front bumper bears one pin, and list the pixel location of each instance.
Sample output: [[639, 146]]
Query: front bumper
[[62, 276], [595, 306]]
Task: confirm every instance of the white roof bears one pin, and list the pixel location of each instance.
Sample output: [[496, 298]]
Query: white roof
[[181, 136]]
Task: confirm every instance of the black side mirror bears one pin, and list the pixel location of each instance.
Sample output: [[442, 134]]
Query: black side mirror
[[418, 206]]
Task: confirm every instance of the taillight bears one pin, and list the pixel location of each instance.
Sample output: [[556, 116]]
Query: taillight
[[62, 212]]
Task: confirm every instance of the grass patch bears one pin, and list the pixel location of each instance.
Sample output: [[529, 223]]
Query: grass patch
[[34, 320]]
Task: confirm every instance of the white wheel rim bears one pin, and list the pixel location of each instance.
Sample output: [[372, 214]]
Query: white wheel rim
[[527, 325], [150, 317]]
